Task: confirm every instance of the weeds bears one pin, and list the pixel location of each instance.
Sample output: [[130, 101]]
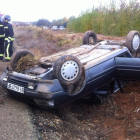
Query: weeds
[[30, 36], [25, 63]]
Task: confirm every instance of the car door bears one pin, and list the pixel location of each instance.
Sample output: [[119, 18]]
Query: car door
[[127, 68], [102, 74]]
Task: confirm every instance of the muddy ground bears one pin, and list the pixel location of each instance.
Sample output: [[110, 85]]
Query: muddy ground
[[116, 118]]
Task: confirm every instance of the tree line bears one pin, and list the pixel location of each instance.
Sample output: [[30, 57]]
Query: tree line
[[45, 22], [113, 19]]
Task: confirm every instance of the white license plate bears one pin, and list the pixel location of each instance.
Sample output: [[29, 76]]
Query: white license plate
[[15, 88]]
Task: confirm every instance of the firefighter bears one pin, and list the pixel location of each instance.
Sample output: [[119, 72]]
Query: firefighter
[[2, 35], [9, 38]]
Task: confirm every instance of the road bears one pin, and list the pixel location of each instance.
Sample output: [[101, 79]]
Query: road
[[16, 121]]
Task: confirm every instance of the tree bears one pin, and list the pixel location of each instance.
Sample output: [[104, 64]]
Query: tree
[[43, 22], [65, 24]]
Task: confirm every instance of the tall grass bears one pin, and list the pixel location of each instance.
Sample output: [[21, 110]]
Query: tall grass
[[117, 18]]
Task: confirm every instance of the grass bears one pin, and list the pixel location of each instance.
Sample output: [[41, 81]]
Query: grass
[[25, 63]]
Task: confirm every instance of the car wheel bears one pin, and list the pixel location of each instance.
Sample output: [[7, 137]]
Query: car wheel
[[68, 70], [133, 42], [17, 55], [89, 37]]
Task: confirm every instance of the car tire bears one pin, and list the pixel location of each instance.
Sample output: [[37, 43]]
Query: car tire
[[133, 42], [68, 70], [17, 55], [89, 37]]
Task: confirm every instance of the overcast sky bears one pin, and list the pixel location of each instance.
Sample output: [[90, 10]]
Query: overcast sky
[[32, 10]]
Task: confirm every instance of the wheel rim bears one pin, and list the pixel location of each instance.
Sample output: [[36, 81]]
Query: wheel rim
[[136, 42], [91, 40], [69, 70]]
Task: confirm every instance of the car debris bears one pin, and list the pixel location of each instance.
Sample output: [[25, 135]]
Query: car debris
[[93, 69]]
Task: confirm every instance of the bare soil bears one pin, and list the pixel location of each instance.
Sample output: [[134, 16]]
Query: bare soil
[[116, 118]]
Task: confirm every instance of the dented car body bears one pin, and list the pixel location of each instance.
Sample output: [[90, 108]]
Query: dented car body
[[88, 70]]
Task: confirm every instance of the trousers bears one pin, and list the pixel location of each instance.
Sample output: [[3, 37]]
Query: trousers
[[1, 47], [8, 50]]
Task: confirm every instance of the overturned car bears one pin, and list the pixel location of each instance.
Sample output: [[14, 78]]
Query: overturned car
[[93, 69]]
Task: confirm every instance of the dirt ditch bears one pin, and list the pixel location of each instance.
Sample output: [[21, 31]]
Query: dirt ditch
[[116, 118]]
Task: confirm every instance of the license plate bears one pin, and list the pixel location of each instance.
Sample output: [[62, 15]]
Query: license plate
[[15, 88]]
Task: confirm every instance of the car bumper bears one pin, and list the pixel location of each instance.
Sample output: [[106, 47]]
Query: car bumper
[[45, 94]]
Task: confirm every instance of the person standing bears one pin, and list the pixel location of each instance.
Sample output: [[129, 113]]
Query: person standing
[[9, 38], [2, 35]]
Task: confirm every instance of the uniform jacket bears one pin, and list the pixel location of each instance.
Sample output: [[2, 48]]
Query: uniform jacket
[[2, 29], [9, 34]]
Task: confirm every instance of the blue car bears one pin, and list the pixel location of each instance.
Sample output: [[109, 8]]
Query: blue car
[[95, 69]]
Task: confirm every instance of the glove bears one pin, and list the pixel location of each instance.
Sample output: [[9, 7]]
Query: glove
[[8, 40], [13, 39]]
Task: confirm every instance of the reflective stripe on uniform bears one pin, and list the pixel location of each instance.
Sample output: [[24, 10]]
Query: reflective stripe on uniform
[[6, 27], [2, 35], [7, 51], [1, 55], [8, 58], [9, 38]]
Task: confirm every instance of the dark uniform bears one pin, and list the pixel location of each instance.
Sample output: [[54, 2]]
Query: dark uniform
[[2, 35], [9, 37]]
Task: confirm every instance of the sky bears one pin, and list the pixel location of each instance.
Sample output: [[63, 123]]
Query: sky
[[32, 10]]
